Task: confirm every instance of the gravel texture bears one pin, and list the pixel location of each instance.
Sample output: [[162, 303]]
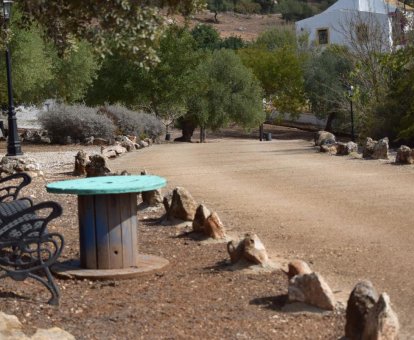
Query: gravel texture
[[195, 297]]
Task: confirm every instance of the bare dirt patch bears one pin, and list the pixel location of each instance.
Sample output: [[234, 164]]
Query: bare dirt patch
[[349, 218], [247, 27], [195, 297]]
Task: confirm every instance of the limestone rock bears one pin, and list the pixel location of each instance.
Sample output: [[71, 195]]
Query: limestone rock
[[183, 206], [202, 213], [311, 289], [382, 322], [89, 140], [54, 333], [100, 141], [213, 227], [133, 139], [235, 251], [381, 149], [344, 149], [97, 166], [11, 329], [118, 148], [167, 201], [368, 149], [376, 149], [254, 250], [127, 143], [81, 159], [328, 148], [35, 137], [152, 197], [298, 267], [148, 141], [404, 155], [13, 164], [324, 137], [250, 249], [363, 297], [109, 153], [113, 150], [143, 144]]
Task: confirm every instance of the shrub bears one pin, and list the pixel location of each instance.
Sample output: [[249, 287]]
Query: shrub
[[133, 123], [76, 121]]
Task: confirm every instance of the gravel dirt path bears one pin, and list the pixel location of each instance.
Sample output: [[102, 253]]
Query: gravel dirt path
[[350, 218]]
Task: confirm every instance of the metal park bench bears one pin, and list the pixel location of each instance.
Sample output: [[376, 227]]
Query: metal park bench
[[9, 189], [26, 247]]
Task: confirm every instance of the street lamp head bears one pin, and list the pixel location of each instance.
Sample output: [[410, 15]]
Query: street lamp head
[[7, 4], [350, 91]]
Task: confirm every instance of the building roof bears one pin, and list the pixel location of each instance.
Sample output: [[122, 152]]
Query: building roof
[[372, 6]]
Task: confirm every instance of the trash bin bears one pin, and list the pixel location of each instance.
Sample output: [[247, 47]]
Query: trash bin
[[268, 136], [168, 136]]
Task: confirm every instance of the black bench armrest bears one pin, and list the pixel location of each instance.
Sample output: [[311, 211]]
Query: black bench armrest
[[27, 247], [9, 191]]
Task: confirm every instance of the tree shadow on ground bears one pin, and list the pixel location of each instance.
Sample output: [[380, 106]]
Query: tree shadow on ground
[[271, 302]]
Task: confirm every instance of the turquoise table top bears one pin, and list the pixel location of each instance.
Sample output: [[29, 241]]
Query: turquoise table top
[[107, 185]]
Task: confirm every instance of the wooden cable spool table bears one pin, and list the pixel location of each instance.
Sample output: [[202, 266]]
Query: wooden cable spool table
[[107, 209]]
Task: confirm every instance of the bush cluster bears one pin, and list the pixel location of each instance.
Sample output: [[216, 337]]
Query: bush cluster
[[76, 121], [133, 123], [80, 122]]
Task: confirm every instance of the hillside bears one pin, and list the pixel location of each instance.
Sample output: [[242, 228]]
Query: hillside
[[248, 27]]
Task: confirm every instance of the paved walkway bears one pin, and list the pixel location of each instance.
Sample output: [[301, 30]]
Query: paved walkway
[[350, 218]]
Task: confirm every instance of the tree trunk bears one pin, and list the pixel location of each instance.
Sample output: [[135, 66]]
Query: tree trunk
[[331, 117], [187, 129], [202, 135]]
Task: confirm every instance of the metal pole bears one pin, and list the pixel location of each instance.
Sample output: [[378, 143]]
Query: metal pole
[[13, 142], [261, 132], [352, 123]]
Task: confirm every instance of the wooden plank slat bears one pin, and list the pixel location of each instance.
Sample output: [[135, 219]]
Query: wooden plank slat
[[127, 240], [86, 212], [134, 226], [115, 232], [102, 231]]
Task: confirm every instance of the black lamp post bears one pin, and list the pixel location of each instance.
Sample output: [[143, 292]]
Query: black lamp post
[[13, 142], [351, 94]]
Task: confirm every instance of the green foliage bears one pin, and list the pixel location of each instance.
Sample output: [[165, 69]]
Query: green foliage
[[326, 75], [77, 121], [225, 91], [395, 114], [128, 26], [275, 61], [233, 43], [73, 73], [37, 71], [32, 67], [294, 10], [161, 90], [129, 122], [206, 37], [247, 7], [115, 82]]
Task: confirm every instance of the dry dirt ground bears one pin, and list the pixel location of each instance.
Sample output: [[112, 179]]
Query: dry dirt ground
[[349, 218], [248, 27]]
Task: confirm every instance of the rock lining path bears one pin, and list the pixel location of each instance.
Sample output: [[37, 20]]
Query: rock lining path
[[351, 219]]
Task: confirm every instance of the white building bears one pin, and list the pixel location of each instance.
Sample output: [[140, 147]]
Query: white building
[[349, 21]]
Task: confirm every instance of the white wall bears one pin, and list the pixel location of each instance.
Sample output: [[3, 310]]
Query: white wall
[[337, 22]]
